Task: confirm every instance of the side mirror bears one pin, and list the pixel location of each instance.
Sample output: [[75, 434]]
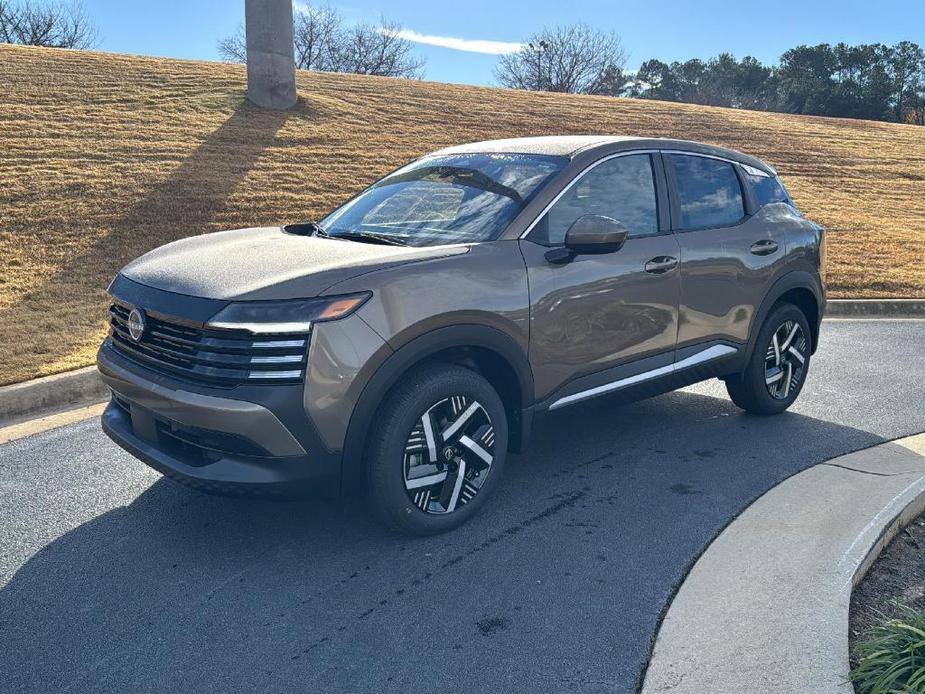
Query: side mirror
[[590, 233]]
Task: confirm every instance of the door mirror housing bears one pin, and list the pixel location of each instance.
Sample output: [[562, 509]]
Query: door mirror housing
[[593, 233]]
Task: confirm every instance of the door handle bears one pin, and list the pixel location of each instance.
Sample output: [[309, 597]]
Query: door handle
[[765, 247], [661, 264]]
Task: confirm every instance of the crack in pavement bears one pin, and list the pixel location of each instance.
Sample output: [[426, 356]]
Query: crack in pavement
[[867, 472], [569, 500]]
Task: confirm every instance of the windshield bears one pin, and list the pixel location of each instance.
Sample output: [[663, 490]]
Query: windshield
[[460, 198]]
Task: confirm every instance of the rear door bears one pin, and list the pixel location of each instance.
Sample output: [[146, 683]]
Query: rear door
[[727, 255], [600, 318]]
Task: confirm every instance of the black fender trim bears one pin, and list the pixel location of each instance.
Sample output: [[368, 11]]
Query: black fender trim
[[414, 352], [795, 279]]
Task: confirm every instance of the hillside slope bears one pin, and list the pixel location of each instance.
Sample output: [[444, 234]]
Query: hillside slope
[[103, 157]]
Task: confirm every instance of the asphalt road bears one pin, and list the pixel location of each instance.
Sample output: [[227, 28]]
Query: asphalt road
[[113, 579]]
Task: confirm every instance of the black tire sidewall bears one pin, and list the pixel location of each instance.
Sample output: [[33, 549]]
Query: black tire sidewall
[[397, 415], [755, 372]]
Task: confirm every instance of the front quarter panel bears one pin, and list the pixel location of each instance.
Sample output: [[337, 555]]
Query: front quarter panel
[[477, 298], [340, 353], [486, 286]]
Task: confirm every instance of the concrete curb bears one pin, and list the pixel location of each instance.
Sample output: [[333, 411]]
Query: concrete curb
[[765, 608], [40, 395], [875, 308], [40, 423], [83, 386]]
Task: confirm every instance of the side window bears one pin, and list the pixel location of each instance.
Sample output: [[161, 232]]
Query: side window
[[709, 192], [622, 188]]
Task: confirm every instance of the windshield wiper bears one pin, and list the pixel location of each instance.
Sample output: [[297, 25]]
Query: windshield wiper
[[364, 236], [315, 229], [455, 174], [305, 229]]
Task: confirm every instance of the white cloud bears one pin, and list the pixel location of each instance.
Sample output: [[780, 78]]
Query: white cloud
[[469, 45]]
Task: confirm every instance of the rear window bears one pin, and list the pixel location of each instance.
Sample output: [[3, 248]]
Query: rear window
[[709, 192]]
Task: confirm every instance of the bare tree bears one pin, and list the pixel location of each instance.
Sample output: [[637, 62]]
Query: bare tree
[[7, 22], [323, 42], [377, 49], [318, 32], [233, 49], [52, 24], [573, 58]]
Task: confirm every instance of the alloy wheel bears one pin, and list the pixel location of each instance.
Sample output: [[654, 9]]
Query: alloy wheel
[[785, 360], [448, 455]]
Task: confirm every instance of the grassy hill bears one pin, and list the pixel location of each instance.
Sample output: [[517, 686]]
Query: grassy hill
[[103, 157]]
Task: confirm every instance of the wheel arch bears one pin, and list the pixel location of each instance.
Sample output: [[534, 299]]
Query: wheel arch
[[798, 287], [486, 350]]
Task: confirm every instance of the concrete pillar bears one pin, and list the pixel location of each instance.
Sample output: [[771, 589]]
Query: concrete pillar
[[270, 61]]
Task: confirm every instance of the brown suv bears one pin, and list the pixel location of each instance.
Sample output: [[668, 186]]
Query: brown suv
[[414, 336]]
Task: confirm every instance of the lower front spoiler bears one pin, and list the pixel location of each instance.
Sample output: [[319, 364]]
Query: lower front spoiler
[[225, 474]]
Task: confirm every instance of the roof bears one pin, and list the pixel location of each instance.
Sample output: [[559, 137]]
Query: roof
[[556, 145], [572, 145]]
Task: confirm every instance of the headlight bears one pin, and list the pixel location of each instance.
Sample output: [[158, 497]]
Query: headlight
[[294, 316]]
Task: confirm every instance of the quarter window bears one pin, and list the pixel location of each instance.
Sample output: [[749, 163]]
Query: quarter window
[[767, 189], [622, 188], [709, 192]]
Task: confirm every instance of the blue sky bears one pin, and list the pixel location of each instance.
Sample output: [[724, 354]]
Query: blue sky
[[669, 30]]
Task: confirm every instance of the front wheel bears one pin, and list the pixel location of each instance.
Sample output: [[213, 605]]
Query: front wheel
[[439, 449], [777, 369]]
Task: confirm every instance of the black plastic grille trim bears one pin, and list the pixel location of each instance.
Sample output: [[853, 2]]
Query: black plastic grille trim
[[223, 358]]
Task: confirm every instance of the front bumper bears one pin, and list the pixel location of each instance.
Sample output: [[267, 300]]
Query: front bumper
[[212, 442]]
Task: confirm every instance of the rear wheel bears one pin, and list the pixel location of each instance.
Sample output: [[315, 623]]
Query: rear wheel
[[775, 373], [438, 451]]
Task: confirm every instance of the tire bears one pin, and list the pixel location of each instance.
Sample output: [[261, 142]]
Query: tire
[[468, 430], [774, 377]]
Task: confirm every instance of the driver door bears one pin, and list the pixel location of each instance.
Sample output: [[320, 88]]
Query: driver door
[[609, 316]]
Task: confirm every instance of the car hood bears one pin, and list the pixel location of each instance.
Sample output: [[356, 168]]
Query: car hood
[[266, 263]]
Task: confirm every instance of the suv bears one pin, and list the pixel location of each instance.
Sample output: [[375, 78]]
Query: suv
[[415, 335]]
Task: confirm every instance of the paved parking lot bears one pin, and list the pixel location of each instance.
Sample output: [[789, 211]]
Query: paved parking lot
[[113, 579]]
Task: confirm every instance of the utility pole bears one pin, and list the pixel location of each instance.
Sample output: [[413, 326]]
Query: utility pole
[[270, 61]]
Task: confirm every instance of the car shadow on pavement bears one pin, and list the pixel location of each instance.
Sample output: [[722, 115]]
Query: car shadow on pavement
[[179, 590]]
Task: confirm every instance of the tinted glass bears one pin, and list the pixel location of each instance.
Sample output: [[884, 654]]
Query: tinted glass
[[767, 189], [447, 199], [622, 188], [709, 192]]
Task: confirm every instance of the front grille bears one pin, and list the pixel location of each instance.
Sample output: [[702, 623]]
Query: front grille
[[223, 358]]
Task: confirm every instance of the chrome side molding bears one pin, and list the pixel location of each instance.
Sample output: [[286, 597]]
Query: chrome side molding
[[709, 354]]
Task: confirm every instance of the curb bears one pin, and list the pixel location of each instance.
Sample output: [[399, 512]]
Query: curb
[[41, 395], [83, 386], [765, 607], [914, 509], [875, 308]]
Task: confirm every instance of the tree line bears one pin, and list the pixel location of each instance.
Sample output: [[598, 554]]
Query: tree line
[[872, 81]]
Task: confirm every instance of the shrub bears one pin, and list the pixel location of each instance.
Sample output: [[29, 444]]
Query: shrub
[[892, 656]]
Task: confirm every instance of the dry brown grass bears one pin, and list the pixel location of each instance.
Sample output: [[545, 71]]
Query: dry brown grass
[[103, 157]]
